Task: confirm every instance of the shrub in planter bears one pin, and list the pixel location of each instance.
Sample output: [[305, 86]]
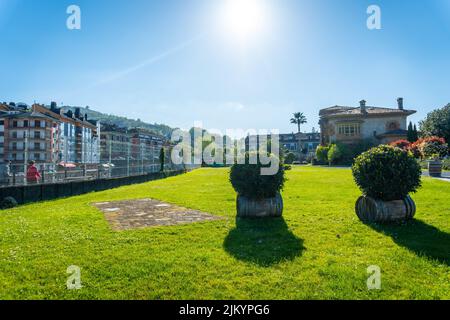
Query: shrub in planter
[[8, 203], [258, 195], [435, 166], [386, 175]]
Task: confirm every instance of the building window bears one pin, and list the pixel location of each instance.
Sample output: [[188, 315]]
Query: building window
[[349, 129], [37, 135], [25, 123], [37, 156], [14, 124], [37, 123], [392, 125], [14, 134]]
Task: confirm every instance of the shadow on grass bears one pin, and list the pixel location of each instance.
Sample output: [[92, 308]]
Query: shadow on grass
[[263, 241], [419, 237]]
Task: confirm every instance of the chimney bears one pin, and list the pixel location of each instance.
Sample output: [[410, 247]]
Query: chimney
[[362, 105], [85, 117], [53, 106], [77, 113], [400, 103]]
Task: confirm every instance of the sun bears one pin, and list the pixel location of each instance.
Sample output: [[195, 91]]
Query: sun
[[243, 20]]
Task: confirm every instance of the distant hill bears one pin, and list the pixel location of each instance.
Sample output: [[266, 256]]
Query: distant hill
[[124, 122]]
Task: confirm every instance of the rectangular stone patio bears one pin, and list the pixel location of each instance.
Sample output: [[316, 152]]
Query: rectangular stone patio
[[142, 213]]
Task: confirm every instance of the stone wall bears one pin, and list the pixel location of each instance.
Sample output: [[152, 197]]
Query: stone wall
[[43, 192]]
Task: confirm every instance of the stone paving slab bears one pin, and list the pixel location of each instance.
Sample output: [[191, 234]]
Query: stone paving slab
[[142, 213]]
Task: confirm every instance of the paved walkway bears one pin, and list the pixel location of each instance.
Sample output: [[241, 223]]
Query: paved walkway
[[445, 176]]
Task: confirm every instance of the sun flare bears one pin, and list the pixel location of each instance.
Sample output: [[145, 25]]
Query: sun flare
[[244, 19]]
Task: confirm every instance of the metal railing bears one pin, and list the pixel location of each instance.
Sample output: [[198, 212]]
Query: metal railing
[[110, 160]]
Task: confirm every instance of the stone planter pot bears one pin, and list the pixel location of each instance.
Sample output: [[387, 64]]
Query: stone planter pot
[[435, 168], [373, 210], [250, 208]]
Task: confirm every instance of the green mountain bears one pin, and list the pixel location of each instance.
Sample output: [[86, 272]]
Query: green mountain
[[124, 122]]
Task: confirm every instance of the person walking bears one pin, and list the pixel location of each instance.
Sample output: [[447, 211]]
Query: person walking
[[33, 174], [8, 173]]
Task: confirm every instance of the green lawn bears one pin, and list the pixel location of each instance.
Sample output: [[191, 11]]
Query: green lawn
[[320, 250]]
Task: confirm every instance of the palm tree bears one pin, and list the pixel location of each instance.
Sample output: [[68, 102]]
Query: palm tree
[[299, 119]]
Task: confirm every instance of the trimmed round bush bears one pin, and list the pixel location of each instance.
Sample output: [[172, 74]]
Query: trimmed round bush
[[248, 181], [387, 173], [8, 203]]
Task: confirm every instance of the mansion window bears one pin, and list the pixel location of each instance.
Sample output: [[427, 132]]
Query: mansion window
[[349, 129]]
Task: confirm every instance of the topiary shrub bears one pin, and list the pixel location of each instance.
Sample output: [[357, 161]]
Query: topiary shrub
[[8, 203], [387, 173], [322, 154], [248, 181]]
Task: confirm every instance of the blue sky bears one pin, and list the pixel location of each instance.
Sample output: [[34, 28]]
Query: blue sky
[[175, 61]]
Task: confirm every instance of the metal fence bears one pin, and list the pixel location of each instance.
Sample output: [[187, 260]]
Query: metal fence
[[115, 159]]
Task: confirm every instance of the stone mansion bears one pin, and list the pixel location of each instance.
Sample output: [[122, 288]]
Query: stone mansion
[[351, 125]]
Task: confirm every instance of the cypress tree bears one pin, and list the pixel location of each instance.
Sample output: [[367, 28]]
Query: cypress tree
[[162, 157], [416, 134], [410, 135]]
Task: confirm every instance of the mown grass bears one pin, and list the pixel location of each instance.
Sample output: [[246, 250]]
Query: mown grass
[[320, 250]]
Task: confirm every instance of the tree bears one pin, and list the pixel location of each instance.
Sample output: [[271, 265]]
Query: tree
[[437, 123], [162, 157], [416, 134], [299, 119], [410, 135]]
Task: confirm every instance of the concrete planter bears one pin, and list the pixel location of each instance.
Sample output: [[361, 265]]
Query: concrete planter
[[262, 208], [373, 210], [435, 168]]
